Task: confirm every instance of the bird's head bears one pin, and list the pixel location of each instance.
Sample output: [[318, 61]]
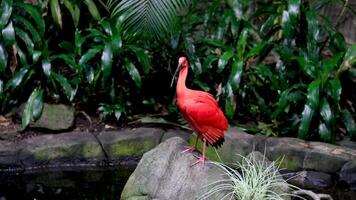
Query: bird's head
[[182, 64]]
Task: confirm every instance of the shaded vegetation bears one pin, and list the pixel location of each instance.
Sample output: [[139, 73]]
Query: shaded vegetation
[[277, 67]]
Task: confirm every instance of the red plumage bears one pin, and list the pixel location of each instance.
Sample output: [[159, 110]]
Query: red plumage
[[201, 111]]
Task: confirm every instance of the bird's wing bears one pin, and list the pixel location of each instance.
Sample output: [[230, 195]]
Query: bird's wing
[[205, 116]]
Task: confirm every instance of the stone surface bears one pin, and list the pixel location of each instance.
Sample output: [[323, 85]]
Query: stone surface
[[128, 142], [176, 133], [77, 148], [55, 117], [165, 173], [311, 180], [348, 174]]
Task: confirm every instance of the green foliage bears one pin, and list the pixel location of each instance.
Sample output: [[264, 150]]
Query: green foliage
[[278, 64], [147, 18], [32, 58]]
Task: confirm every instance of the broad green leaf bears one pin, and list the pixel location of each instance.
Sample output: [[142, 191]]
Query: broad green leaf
[[307, 65], [73, 10], [3, 58], [195, 65], [268, 24], [25, 23], [26, 39], [285, 98], [238, 8], [91, 53], [325, 132], [46, 67], [22, 56], [1, 87], [36, 56], [350, 57], [256, 50], [8, 34], [37, 105], [230, 101], [106, 61], [349, 123], [89, 72], [16, 80], [142, 58], [307, 116], [28, 110], [334, 89], [116, 43], [313, 30], [68, 90], [294, 8], [5, 10], [56, 12], [107, 27], [286, 25], [118, 114], [207, 62], [313, 94], [337, 43], [134, 74], [93, 10], [235, 74], [224, 59], [35, 15], [325, 111], [330, 64], [241, 44]]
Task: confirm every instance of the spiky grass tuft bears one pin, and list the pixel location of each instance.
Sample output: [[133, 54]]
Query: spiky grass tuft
[[255, 180]]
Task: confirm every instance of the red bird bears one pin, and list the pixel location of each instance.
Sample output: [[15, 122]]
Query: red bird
[[201, 111]]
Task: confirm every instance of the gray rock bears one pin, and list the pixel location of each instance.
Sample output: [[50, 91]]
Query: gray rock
[[176, 133], [165, 173], [55, 117], [346, 142], [311, 180], [348, 174], [9, 155], [9, 135]]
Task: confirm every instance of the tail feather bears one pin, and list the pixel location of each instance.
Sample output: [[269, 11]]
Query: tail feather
[[214, 136]]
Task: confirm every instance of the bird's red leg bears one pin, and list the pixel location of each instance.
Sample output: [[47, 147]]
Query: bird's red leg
[[203, 157], [191, 148]]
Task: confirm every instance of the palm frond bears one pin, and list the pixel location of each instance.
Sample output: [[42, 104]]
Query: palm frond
[[147, 17]]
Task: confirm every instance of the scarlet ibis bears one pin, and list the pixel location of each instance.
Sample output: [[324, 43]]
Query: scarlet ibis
[[201, 111]]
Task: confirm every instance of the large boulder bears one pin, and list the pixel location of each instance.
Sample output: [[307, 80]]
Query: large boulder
[[165, 173]]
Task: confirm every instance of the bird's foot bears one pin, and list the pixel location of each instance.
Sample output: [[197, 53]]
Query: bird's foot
[[188, 149], [200, 160]]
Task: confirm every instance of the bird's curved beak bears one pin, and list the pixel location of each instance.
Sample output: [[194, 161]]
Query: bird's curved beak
[[175, 73]]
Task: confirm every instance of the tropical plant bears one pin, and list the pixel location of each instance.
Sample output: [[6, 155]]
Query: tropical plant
[[106, 42], [269, 61], [74, 8], [147, 18]]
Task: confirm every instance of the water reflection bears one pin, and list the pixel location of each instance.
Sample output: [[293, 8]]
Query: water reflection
[[89, 184]]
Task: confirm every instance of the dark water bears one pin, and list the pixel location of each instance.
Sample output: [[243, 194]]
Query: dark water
[[82, 184]]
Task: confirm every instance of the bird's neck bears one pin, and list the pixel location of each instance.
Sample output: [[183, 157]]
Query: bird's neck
[[181, 88]]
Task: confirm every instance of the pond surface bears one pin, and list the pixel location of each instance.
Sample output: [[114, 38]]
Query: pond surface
[[88, 184]]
